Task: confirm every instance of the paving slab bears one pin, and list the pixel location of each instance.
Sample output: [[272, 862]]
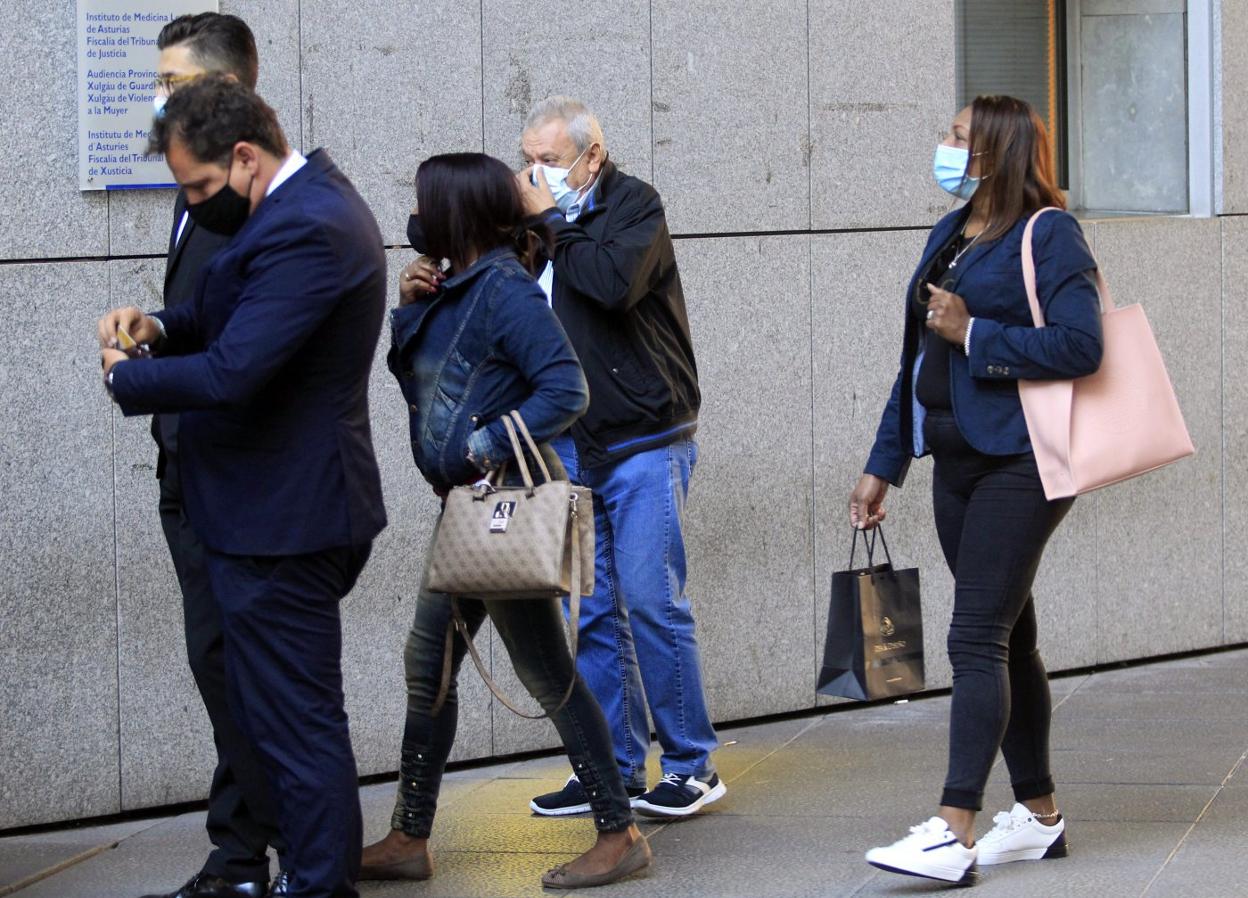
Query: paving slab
[[1151, 764]]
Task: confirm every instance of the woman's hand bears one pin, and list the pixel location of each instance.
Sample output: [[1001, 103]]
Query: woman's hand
[[419, 279], [866, 502], [947, 315]]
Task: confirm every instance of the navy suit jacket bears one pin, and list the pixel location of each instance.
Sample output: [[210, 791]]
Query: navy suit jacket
[[269, 369], [1005, 344]]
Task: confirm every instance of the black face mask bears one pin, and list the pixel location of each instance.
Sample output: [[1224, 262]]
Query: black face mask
[[416, 235], [225, 212]]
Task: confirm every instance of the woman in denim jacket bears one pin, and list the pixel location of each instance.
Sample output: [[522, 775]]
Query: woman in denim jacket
[[486, 343]]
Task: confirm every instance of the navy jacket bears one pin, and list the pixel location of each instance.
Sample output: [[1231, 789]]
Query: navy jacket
[[269, 367], [1005, 345], [484, 344]]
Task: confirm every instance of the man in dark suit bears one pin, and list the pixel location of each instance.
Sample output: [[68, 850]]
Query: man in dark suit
[[268, 367], [242, 822]]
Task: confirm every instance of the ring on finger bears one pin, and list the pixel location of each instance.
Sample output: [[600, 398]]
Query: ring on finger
[[931, 313]]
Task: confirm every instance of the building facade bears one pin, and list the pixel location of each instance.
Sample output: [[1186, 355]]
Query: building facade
[[791, 141]]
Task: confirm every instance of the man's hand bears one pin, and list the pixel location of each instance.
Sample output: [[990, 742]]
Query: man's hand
[[537, 197], [109, 358], [142, 328], [947, 315], [419, 279]]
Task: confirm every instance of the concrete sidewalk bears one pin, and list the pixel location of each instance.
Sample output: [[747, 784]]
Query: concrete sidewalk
[[1150, 763]]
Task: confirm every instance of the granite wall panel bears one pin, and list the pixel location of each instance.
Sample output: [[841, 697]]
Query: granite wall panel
[[45, 214], [1235, 428], [606, 66], [382, 98], [882, 94], [748, 519], [1156, 546], [156, 691], [1234, 111], [731, 136], [59, 599]]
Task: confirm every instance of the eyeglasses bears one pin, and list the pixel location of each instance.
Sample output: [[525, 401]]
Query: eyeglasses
[[169, 83]]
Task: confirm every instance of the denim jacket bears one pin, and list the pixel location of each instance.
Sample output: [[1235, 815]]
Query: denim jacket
[[484, 344]]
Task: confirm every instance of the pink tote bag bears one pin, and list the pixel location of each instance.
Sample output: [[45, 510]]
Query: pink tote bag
[[1120, 422]]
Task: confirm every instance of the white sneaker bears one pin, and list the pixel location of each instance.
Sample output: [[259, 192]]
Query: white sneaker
[[1019, 836], [931, 851]]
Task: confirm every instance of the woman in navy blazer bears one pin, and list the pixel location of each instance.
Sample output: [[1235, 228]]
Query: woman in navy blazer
[[969, 338]]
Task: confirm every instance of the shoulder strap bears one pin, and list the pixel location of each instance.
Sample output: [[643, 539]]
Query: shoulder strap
[[1029, 273], [574, 630]]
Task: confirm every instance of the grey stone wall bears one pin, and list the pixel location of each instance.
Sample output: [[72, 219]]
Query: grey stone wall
[[791, 141]]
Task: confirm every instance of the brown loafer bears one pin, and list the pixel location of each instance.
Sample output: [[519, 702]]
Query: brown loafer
[[637, 858], [417, 868]]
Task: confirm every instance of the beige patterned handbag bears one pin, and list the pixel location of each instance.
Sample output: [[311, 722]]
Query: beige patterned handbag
[[498, 542]]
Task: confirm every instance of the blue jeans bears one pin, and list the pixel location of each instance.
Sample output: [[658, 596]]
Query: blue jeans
[[638, 628]]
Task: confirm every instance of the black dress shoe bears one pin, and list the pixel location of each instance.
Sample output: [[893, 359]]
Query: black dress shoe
[[281, 885], [202, 885]]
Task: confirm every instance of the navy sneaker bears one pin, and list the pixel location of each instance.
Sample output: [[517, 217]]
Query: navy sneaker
[[571, 799], [680, 796]]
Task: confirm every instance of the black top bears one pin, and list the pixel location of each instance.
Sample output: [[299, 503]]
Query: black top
[[932, 385]]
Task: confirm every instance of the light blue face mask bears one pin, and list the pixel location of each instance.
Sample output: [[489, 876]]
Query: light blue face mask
[[158, 105], [557, 179], [949, 169]]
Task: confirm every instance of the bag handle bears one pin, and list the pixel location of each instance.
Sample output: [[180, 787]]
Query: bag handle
[[870, 546], [531, 443], [1029, 273], [574, 629]]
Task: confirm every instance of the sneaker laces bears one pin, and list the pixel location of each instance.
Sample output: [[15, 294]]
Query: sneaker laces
[[1004, 823], [923, 831], [672, 779]]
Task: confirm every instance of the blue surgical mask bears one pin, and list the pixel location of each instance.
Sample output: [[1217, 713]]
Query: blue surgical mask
[[557, 179], [158, 105], [949, 169]]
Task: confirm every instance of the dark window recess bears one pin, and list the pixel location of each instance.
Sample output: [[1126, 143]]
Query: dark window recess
[[1017, 47]]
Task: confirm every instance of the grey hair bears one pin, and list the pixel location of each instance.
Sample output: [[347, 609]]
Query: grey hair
[[582, 124]]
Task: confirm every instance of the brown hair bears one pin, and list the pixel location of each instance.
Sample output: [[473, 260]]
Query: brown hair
[[1015, 161]]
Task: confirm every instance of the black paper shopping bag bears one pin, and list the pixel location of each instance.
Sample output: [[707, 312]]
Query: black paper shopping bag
[[874, 647]]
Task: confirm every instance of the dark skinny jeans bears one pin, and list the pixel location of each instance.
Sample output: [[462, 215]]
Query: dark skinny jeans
[[993, 522], [533, 632]]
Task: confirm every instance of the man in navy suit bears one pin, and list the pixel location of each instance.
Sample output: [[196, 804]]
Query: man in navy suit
[[268, 367], [242, 819]]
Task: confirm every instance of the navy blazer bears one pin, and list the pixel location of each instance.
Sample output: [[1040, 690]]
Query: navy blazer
[[1005, 344], [269, 367]]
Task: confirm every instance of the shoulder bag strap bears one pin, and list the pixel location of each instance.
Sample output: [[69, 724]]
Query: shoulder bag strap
[[574, 629]]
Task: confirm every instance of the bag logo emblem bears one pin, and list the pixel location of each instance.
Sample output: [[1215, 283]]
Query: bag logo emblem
[[501, 517], [887, 628]]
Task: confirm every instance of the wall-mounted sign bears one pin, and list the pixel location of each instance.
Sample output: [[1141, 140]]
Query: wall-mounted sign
[[116, 82]]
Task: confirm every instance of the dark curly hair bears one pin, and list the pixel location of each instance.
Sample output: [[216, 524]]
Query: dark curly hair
[[213, 113], [217, 43]]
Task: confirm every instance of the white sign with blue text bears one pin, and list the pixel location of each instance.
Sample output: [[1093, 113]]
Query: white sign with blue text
[[117, 58]]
